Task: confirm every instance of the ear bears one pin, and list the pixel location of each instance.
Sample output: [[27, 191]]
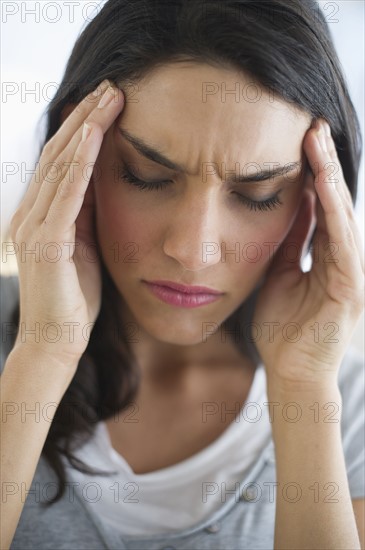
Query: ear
[[66, 111]]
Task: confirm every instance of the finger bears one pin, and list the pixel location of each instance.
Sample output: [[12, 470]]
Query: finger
[[339, 179], [49, 165], [344, 191], [66, 205], [321, 248], [332, 219], [102, 117], [77, 117], [115, 96]]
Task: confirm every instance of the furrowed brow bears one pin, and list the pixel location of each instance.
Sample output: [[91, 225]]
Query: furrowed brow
[[155, 155], [264, 175], [149, 152]]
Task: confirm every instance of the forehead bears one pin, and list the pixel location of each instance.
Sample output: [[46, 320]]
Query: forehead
[[220, 113]]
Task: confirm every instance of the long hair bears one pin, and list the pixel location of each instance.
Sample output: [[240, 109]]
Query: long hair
[[286, 47]]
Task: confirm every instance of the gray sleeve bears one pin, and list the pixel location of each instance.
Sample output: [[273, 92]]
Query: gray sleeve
[[65, 525], [9, 293], [351, 382]]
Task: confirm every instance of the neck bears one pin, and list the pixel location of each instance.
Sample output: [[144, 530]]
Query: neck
[[163, 361]]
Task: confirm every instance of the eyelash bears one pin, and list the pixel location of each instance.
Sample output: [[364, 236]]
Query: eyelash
[[267, 204]]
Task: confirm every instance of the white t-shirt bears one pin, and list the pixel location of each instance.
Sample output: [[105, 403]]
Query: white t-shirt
[[178, 496]]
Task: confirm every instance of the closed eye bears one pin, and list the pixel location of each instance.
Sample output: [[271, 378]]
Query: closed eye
[[127, 176]]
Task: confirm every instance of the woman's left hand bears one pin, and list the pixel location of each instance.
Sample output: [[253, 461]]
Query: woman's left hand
[[306, 319]]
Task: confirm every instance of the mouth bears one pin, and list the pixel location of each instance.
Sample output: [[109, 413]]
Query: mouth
[[182, 295]]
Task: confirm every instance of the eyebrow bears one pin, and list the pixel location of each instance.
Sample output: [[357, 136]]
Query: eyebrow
[[155, 155]]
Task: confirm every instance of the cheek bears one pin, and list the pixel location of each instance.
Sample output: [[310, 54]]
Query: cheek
[[121, 229], [270, 236], [262, 235], [121, 224], [129, 230]]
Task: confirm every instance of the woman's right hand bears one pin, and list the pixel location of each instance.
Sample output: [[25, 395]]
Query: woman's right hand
[[60, 284]]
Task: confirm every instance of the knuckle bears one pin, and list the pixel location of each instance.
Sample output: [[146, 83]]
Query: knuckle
[[67, 189], [94, 124], [78, 159], [80, 164], [44, 226], [20, 234], [16, 221], [80, 108], [62, 190], [49, 147], [52, 172]]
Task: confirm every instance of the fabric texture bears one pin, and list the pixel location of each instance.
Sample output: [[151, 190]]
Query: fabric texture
[[179, 496], [244, 519]]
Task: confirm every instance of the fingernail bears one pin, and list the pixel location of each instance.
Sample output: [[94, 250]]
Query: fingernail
[[86, 130], [107, 97], [101, 88]]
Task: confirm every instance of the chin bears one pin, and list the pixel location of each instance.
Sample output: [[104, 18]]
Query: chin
[[176, 334]]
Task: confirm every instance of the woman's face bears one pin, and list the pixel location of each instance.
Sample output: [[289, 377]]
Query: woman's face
[[201, 228]]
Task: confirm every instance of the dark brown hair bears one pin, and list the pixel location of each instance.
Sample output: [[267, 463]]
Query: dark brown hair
[[286, 47]]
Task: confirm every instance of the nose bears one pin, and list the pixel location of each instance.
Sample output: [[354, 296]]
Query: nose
[[193, 234]]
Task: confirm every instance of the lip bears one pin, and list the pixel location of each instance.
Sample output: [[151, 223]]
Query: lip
[[176, 297], [186, 289]]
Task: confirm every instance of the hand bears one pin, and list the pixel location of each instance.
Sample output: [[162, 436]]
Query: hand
[[60, 285], [313, 314]]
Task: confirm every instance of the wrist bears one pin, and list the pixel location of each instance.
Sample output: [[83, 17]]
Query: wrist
[[297, 410], [38, 368], [321, 383]]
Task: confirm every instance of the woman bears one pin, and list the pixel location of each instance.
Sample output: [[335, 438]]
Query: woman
[[226, 145]]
